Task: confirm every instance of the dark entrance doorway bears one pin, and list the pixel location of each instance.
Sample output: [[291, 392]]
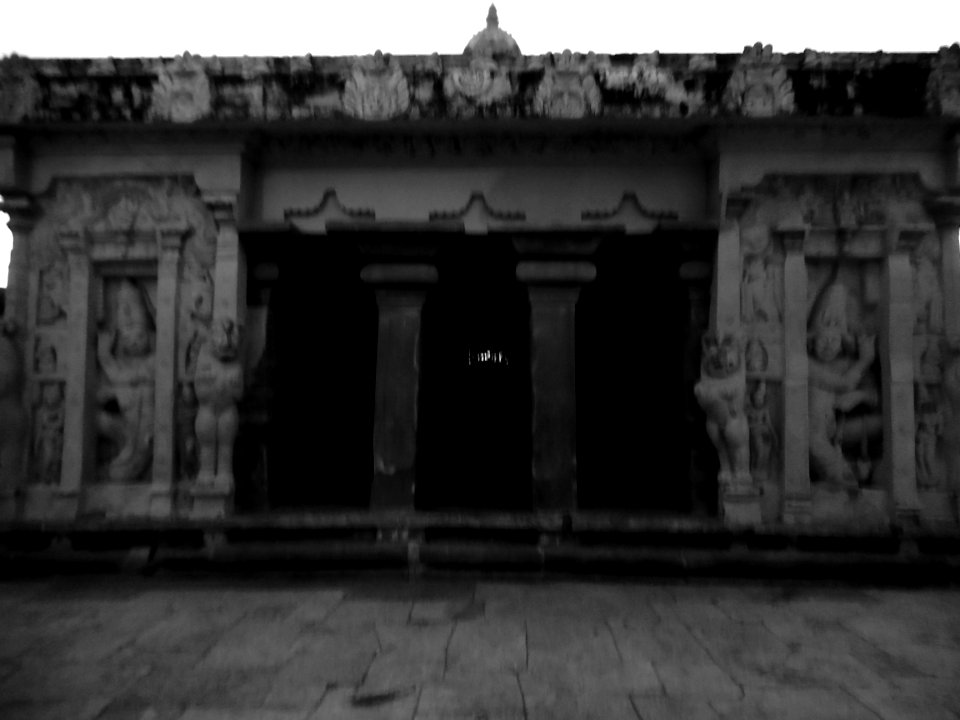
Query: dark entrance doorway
[[635, 437], [474, 420], [311, 398]]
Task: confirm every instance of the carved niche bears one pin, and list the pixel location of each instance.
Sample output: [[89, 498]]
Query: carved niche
[[181, 92], [568, 88], [120, 221], [759, 85], [376, 89], [943, 84], [483, 87]]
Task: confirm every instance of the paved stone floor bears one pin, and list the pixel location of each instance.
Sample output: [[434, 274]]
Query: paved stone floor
[[299, 648]]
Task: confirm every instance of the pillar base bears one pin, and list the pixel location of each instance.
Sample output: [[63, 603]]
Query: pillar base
[[210, 501], [9, 500], [161, 502], [65, 505]]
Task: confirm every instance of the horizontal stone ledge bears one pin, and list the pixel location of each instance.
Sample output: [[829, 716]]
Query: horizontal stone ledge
[[549, 272], [399, 274]]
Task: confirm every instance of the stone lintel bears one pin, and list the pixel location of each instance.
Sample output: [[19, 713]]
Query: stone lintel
[[556, 272]]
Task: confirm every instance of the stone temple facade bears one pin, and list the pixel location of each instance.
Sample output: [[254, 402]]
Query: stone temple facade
[[571, 286]]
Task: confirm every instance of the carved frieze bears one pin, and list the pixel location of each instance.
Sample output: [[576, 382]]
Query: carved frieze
[[19, 89], [181, 92], [376, 89], [481, 88], [659, 89], [943, 83], [759, 85], [568, 88]]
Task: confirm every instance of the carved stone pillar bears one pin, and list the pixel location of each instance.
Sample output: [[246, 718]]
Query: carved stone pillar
[[170, 241], [554, 273], [796, 422], [79, 423], [896, 348], [14, 424], [400, 289], [214, 499]]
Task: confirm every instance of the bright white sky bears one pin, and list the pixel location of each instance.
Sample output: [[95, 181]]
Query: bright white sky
[[119, 28]]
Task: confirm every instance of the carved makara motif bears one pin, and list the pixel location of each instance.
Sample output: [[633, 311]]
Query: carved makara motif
[[219, 386], [376, 89], [48, 433], [181, 92], [943, 84], [568, 88], [125, 351], [479, 86], [759, 85], [721, 392]]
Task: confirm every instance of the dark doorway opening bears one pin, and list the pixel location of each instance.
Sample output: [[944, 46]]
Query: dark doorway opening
[[309, 409], [637, 352], [474, 420]]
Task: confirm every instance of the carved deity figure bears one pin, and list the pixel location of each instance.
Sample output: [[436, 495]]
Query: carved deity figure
[[13, 418], [186, 431], [836, 387], [52, 304], [48, 433], [720, 392], [927, 296], [929, 427], [759, 296], [951, 422], [218, 384], [126, 358], [44, 356], [763, 435]]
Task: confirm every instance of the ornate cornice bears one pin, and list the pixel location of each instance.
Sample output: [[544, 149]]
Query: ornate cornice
[[630, 214], [328, 209]]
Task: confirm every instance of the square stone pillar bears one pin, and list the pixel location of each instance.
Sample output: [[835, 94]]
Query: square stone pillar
[[400, 289], [896, 348], [15, 431], [79, 424], [553, 281], [796, 415], [170, 241], [215, 499]]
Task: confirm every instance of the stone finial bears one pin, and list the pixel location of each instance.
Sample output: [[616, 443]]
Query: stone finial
[[181, 92], [492, 41], [376, 89]]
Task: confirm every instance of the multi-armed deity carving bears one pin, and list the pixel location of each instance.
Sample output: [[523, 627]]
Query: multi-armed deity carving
[[759, 85], [844, 395], [721, 392], [568, 89], [219, 386], [376, 89], [181, 92]]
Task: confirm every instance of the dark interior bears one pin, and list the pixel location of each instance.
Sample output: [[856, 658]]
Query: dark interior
[[637, 356], [474, 418]]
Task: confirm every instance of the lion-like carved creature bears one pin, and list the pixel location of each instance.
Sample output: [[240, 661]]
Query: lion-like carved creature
[[13, 418], [721, 392], [218, 384]]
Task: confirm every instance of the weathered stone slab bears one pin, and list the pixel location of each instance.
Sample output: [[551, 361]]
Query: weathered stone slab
[[238, 714], [794, 704], [340, 704], [254, 643], [483, 696], [484, 647], [654, 707], [410, 656], [352, 613], [557, 698]]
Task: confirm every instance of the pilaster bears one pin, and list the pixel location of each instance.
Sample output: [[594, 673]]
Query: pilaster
[[796, 425], [896, 347], [79, 422]]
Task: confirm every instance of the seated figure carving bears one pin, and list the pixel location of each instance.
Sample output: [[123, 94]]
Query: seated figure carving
[[126, 393]]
